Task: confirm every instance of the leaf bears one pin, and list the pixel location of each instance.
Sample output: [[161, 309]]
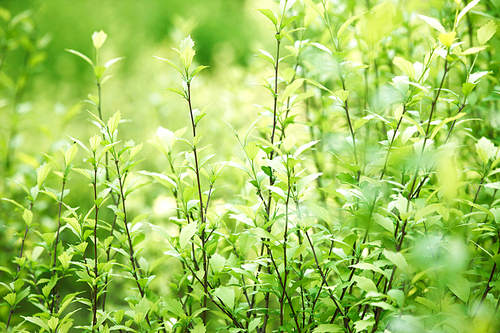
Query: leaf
[[217, 262], [262, 233], [384, 222], [303, 182], [326, 328], [291, 88], [38, 321], [365, 284], [315, 7], [98, 38], [171, 63], [476, 77], [320, 212], [266, 55], [405, 66], [199, 328], [111, 62], [304, 147], [429, 209], [364, 265], [474, 50], [174, 306], [433, 23], [269, 14], [84, 57], [198, 69], [226, 295], [345, 25], [447, 39], [485, 33], [460, 286], [186, 233], [397, 259], [464, 11], [323, 48]]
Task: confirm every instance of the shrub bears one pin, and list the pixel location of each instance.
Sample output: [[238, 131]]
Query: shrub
[[369, 202]]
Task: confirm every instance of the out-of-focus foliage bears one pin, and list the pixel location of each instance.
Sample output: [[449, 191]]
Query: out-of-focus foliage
[[352, 188]]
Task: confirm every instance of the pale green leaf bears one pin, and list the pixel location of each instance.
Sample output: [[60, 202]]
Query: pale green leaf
[[397, 259], [433, 23], [405, 66], [460, 286], [365, 283], [464, 11], [226, 295], [81, 55], [186, 233], [485, 33], [269, 14]]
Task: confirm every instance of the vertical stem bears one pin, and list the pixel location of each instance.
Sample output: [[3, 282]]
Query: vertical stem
[[200, 197], [94, 303]]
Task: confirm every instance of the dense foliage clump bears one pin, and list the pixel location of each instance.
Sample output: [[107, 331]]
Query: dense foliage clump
[[361, 198]]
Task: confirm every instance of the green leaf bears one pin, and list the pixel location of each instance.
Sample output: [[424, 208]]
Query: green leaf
[[113, 61], [303, 182], [315, 7], [262, 233], [160, 231], [266, 55], [397, 259], [171, 63], [38, 321], [98, 38], [10, 299], [384, 222], [84, 57], [174, 306], [291, 88], [198, 69], [464, 11], [485, 33], [269, 14], [433, 23], [199, 328], [320, 212], [226, 295], [345, 25], [327, 328], [186, 233], [474, 50], [217, 262], [362, 325], [187, 52], [365, 284], [460, 286], [405, 66], [447, 39]]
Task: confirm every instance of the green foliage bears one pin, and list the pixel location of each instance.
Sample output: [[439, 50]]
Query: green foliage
[[363, 198]]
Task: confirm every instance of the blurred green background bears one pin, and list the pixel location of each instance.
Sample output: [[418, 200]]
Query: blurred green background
[[226, 33]]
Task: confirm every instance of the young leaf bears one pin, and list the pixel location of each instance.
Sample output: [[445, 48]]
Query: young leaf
[[345, 25], [433, 23], [226, 295], [464, 11], [84, 57], [405, 66], [460, 286], [186, 233], [269, 14], [485, 33], [98, 38]]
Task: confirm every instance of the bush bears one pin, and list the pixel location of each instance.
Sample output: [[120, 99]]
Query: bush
[[368, 199]]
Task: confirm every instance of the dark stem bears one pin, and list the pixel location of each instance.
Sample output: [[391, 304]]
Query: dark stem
[[202, 218]]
